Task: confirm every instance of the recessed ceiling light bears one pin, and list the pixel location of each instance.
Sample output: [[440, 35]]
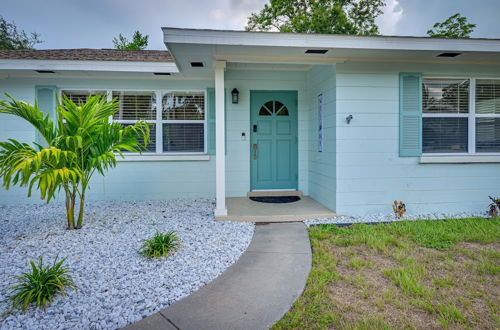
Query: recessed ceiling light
[[44, 71], [197, 64], [161, 73], [316, 51], [450, 54]]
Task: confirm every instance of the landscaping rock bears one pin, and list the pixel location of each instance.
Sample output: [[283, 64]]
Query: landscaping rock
[[116, 285], [378, 218]]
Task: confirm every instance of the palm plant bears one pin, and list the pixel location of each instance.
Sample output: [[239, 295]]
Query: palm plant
[[81, 141]]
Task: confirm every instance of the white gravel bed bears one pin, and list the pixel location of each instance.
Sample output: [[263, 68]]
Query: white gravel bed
[[375, 218], [116, 285]]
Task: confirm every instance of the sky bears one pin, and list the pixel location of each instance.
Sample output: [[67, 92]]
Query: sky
[[94, 23]]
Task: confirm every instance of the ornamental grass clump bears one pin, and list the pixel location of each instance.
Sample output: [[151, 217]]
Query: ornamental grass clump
[[40, 285], [160, 245]]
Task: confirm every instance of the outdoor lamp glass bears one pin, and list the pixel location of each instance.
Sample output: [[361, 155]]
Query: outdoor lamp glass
[[234, 95]]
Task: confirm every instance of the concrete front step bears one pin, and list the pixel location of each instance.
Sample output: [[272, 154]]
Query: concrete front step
[[274, 193]]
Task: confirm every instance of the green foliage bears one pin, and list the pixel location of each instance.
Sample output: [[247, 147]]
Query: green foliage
[[318, 16], [380, 276], [12, 38], [40, 285], [160, 245], [449, 313], [80, 142], [409, 279], [456, 26], [138, 42], [440, 235]]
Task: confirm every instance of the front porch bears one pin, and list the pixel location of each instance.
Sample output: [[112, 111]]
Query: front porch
[[246, 210]]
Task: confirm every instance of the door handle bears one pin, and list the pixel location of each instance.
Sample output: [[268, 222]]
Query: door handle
[[254, 146]]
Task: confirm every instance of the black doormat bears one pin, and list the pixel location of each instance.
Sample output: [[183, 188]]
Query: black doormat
[[276, 199]]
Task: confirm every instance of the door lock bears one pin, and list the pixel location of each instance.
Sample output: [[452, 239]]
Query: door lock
[[255, 128]]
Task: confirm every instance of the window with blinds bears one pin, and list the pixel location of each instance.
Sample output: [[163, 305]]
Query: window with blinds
[[135, 105], [81, 96], [487, 106], [176, 126], [183, 119], [453, 123], [445, 122], [183, 106]]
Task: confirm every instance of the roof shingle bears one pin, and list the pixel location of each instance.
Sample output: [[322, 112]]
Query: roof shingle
[[86, 54]]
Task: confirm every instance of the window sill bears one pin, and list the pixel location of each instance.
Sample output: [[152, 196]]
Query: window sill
[[459, 159], [162, 158]]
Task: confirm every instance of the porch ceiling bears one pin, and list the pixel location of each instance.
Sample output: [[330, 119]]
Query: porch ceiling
[[189, 45]]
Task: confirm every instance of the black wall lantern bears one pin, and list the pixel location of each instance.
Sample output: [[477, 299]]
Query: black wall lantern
[[235, 95]]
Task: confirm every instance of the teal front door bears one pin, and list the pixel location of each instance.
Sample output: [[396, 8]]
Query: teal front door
[[273, 147]]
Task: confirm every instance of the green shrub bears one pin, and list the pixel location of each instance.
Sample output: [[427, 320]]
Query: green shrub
[[160, 245], [40, 285]]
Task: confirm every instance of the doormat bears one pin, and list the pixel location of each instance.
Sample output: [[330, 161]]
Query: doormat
[[276, 199]]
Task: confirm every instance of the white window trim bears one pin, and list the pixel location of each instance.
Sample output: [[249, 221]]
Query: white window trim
[[131, 157], [158, 155], [471, 156]]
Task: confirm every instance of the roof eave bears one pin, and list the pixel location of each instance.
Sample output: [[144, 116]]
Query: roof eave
[[273, 39], [91, 66]]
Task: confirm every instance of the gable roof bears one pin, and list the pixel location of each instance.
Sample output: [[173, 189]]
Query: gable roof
[[86, 54]]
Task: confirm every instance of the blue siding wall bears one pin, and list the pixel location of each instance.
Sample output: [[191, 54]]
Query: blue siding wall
[[322, 173], [370, 172], [129, 180]]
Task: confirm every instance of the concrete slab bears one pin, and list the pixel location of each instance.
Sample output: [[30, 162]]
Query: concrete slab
[[257, 290], [153, 322], [244, 209]]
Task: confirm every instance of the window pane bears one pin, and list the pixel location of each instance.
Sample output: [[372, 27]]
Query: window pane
[[81, 96], [151, 147], [487, 96], [445, 96], [183, 137], [183, 106], [487, 134], [445, 135], [135, 106]]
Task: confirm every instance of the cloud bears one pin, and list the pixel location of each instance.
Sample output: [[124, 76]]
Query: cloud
[[94, 23], [218, 14], [388, 21]]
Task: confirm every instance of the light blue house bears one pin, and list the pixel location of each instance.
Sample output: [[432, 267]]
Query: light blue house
[[355, 122]]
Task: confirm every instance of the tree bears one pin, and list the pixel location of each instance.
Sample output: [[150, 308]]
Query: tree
[[456, 26], [12, 38], [139, 42], [80, 142], [318, 16]]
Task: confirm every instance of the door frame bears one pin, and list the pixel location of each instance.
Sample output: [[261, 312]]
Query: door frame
[[295, 129]]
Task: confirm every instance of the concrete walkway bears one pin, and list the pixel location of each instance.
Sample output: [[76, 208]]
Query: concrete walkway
[[254, 293]]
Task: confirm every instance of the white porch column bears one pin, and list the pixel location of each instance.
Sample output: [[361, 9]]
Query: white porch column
[[220, 146]]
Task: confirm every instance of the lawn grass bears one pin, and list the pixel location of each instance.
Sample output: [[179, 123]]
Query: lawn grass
[[416, 275]]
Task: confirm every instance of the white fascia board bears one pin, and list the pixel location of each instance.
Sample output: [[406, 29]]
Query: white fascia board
[[69, 65], [244, 38]]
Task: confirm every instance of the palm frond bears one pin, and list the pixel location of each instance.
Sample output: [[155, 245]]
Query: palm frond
[[32, 114], [23, 165]]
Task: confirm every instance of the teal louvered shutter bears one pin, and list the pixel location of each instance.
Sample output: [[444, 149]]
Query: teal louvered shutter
[[410, 114], [211, 121], [46, 98]]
